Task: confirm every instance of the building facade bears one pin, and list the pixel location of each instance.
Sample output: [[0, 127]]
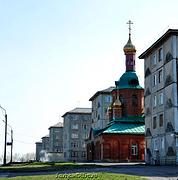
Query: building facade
[[161, 112], [45, 143], [38, 150], [123, 137], [56, 142], [101, 100], [56, 138], [77, 124]]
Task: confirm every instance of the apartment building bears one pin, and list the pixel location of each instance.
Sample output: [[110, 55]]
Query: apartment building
[[161, 102]]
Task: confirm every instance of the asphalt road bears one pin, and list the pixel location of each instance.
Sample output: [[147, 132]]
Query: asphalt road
[[150, 172]]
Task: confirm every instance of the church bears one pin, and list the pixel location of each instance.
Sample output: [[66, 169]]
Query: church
[[122, 140]]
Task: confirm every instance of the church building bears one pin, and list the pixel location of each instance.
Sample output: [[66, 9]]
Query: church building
[[123, 137]]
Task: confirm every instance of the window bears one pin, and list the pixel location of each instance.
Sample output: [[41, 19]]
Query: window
[[134, 100], [154, 122], [121, 98], [83, 154], [154, 59], [74, 144], [74, 154], [160, 76], [84, 126], [99, 104], [161, 120], [160, 54], [85, 135], [134, 149], [74, 135], [154, 101], [74, 126], [162, 142], [83, 145], [108, 99], [155, 143], [154, 80], [161, 98]]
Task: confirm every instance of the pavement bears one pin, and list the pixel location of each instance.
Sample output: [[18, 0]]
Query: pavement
[[139, 169]]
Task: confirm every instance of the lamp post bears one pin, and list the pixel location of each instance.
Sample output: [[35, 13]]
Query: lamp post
[[5, 141]]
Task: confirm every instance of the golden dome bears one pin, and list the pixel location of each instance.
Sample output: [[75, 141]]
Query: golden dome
[[129, 47], [117, 102]]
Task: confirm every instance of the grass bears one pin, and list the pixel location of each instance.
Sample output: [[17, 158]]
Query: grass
[[39, 166], [80, 176]]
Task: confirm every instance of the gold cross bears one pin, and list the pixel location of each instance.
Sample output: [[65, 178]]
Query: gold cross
[[129, 23]]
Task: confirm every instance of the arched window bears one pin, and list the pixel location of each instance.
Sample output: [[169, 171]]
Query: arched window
[[121, 98], [134, 100]]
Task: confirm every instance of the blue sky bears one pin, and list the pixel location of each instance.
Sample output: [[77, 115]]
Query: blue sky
[[54, 55]]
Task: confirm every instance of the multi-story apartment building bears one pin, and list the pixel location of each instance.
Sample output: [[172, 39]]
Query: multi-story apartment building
[[38, 150], [56, 138], [77, 124], [161, 102], [45, 143], [101, 100]]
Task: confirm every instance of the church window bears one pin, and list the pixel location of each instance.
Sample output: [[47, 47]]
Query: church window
[[154, 122], [134, 149], [134, 100], [121, 98]]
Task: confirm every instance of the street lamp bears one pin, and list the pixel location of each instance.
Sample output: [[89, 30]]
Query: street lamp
[[5, 141]]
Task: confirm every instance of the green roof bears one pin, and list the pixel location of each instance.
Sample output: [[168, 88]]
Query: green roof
[[128, 80], [124, 125], [130, 119], [125, 128]]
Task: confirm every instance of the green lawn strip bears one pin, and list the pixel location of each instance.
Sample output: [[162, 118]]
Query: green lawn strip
[[81, 176], [34, 167]]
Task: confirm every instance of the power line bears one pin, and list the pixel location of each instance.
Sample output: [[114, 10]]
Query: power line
[[23, 142]]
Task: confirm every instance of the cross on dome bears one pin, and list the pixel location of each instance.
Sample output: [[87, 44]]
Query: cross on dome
[[129, 23]]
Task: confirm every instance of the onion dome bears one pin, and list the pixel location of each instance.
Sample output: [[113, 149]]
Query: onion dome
[[129, 80], [117, 102], [129, 47]]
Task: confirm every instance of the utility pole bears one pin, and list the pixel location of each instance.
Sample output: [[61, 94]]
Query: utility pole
[[11, 145], [5, 138], [5, 141]]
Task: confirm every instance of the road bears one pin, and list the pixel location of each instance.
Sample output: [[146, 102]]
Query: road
[[150, 172]]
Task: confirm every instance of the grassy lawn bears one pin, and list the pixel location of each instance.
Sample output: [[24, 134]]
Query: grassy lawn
[[80, 176], [39, 166]]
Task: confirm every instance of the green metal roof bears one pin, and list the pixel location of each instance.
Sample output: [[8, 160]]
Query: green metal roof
[[130, 119], [125, 128], [128, 80]]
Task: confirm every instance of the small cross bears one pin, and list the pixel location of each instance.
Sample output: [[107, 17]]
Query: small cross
[[129, 23]]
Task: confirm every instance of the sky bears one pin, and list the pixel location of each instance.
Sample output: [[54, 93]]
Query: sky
[[55, 54]]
